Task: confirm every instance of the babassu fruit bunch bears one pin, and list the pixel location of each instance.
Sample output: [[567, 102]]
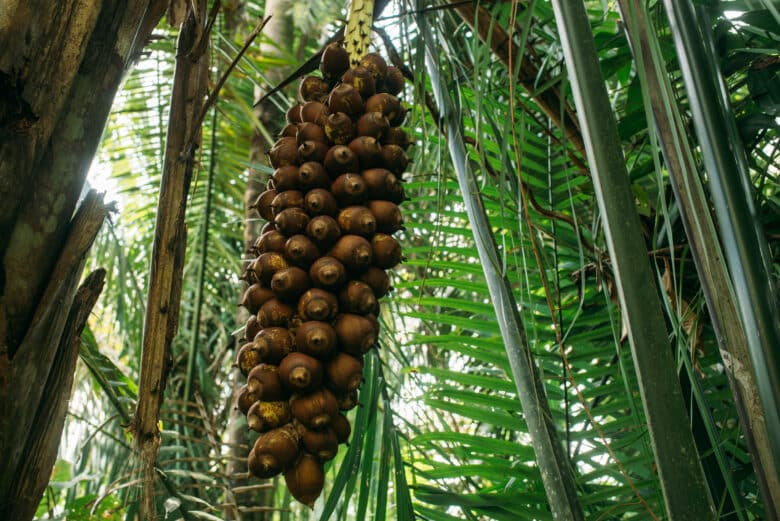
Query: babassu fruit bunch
[[332, 209]]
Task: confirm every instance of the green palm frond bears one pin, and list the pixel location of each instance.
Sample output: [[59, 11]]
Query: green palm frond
[[440, 434]]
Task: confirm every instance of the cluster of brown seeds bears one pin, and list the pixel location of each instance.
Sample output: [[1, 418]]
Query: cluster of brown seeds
[[332, 208]]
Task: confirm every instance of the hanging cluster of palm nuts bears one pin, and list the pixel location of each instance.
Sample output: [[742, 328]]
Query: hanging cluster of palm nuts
[[332, 208]]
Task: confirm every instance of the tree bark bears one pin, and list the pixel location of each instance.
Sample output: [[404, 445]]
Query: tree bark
[[41, 448], [65, 78], [23, 387], [61, 64], [167, 263]]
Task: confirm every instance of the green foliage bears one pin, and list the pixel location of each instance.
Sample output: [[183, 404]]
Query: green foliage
[[440, 435]]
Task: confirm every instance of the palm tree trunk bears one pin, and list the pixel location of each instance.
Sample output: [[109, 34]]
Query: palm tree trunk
[[44, 440], [167, 262], [60, 66]]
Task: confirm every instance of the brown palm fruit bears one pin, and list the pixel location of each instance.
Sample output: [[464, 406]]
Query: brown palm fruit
[[373, 124], [314, 410], [265, 381], [388, 216], [356, 333], [301, 251], [394, 81], [357, 220], [305, 479], [380, 183], [354, 252], [387, 251], [340, 160], [290, 283], [340, 425], [320, 202], [274, 452], [385, 103], [339, 128], [289, 130], [397, 194], [327, 273], [273, 344], [357, 297], [294, 324], [254, 297], [300, 373], [367, 150], [317, 339], [267, 227], [377, 279], [310, 132], [323, 444], [361, 79], [266, 265], [374, 323], [400, 117], [345, 98], [284, 153], [248, 358], [252, 327], [312, 151], [293, 115], [334, 62], [347, 401], [263, 204], [291, 221], [270, 241], [397, 136], [376, 65], [264, 416], [314, 112], [394, 158], [332, 208], [246, 399], [313, 88], [323, 230], [287, 199], [318, 304], [312, 175], [285, 178], [344, 373], [275, 313], [349, 189]]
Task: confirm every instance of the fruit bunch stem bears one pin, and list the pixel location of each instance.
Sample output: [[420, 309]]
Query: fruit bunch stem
[[358, 33]]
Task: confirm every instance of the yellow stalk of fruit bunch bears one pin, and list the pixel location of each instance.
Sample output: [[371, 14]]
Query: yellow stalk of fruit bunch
[[358, 33]]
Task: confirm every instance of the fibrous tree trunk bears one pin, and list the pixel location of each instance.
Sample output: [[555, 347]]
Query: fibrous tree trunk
[[61, 64], [167, 263], [42, 444]]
